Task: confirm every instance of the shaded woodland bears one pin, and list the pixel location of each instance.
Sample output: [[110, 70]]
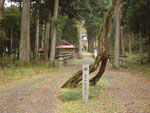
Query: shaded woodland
[[118, 27]]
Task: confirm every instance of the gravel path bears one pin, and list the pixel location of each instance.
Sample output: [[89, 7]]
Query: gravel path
[[130, 91], [39, 95]]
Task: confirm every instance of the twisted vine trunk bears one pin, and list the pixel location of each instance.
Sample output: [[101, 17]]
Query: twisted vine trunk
[[95, 79], [103, 49]]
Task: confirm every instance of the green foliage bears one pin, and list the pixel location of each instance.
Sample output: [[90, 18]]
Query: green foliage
[[11, 20], [60, 22], [136, 16], [70, 95], [78, 9], [70, 31], [95, 18], [135, 21]]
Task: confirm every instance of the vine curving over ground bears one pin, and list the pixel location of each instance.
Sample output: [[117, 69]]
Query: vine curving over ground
[[103, 50]]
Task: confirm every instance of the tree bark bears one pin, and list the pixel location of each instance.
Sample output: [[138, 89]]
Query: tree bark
[[148, 57], [117, 40], [95, 79], [20, 4], [37, 36], [47, 37], [141, 49], [43, 36], [89, 42], [11, 39], [121, 41], [103, 48], [80, 40], [104, 55], [130, 44], [25, 34], [1, 8], [2, 32], [92, 43], [54, 33]]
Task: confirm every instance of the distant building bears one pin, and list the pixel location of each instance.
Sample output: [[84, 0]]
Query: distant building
[[65, 48]]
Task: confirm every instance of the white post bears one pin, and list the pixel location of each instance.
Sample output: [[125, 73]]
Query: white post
[[85, 83]]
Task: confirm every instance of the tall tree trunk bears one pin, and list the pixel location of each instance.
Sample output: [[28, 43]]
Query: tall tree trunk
[[11, 39], [54, 33], [141, 49], [2, 32], [20, 4], [117, 40], [1, 8], [37, 36], [25, 34], [148, 56], [121, 41], [92, 42], [103, 49], [43, 36], [130, 43], [89, 42], [47, 37], [80, 40], [95, 41]]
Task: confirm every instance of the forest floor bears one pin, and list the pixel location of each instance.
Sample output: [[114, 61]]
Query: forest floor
[[117, 92]]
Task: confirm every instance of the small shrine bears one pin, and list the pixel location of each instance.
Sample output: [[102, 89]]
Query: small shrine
[[65, 48]]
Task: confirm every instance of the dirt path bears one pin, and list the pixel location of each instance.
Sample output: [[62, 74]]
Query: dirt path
[[39, 95], [131, 92]]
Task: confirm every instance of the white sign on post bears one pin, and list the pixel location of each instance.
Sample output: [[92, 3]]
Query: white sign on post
[[85, 83]]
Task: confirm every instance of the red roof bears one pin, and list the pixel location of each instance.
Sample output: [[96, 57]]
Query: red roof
[[65, 46], [40, 49]]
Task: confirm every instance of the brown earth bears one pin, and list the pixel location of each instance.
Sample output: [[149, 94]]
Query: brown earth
[[39, 94]]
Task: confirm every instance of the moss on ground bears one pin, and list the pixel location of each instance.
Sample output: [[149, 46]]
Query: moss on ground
[[12, 71]]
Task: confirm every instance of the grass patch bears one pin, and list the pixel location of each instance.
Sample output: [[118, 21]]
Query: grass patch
[[13, 71], [76, 94], [134, 66], [99, 101], [73, 99]]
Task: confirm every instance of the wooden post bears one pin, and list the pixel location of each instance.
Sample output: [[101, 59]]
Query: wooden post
[[85, 83]]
